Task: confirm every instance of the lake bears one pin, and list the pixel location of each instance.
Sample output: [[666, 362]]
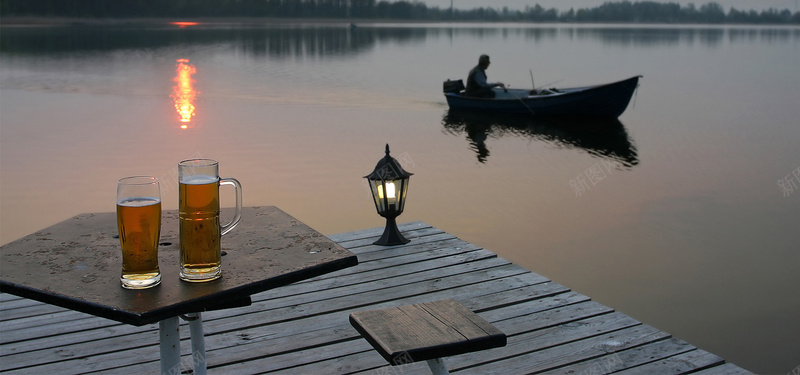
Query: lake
[[684, 214]]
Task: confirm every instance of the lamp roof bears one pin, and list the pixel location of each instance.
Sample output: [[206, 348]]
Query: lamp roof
[[388, 168]]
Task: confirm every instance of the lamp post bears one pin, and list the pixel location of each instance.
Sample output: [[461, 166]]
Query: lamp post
[[389, 185]]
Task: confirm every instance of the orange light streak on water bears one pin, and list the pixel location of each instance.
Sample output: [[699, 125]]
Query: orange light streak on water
[[183, 24], [184, 93]]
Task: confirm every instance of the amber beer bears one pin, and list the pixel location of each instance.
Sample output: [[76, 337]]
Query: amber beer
[[200, 229], [139, 224]]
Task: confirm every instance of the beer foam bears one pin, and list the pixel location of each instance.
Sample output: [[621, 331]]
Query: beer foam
[[138, 201], [199, 179]]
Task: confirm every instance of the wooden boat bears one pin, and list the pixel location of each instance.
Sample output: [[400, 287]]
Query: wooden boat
[[603, 101]]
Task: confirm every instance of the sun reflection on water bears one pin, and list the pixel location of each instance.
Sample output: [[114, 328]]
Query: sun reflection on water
[[184, 93], [183, 24]]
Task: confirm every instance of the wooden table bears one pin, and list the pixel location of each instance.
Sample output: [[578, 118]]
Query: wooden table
[[76, 264]]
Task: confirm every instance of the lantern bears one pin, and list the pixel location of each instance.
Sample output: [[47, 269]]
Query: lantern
[[389, 185]]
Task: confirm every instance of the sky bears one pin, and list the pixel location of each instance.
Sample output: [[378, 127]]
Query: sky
[[758, 5]]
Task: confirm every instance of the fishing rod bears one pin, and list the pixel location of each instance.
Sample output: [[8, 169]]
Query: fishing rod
[[546, 84], [532, 84]]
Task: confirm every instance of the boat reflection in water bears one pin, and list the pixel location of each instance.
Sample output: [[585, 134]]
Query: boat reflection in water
[[604, 138]]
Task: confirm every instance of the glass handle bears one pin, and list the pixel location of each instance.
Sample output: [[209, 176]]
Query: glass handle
[[238, 214]]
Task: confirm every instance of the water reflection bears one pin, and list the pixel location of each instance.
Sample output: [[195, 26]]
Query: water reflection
[[183, 24], [277, 41], [184, 93], [604, 138], [319, 40]]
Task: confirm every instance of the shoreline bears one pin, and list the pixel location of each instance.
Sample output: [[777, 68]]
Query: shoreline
[[38, 21], [63, 21]]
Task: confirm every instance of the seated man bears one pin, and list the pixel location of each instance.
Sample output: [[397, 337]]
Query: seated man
[[476, 81]]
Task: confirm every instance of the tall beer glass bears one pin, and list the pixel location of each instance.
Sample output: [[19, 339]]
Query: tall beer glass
[[139, 224], [200, 229]]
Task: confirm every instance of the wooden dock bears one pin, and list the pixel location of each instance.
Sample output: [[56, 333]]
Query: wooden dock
[[303, 328]]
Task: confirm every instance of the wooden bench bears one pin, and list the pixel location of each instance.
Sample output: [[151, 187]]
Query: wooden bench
[[426, 331]]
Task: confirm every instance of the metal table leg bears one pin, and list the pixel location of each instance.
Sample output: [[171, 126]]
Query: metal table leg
[[198, 343], [438, 367], [170, 338]]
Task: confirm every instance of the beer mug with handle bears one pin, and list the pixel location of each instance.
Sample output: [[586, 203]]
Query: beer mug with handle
[[200, 229], [139, 224]]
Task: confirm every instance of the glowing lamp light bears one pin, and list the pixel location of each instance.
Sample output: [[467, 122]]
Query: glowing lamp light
[[389, 191], [389, 185]]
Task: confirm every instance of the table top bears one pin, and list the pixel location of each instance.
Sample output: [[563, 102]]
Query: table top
[[77, 263]]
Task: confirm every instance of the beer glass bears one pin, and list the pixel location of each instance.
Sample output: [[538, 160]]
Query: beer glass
[[200, 229], [139, 224]]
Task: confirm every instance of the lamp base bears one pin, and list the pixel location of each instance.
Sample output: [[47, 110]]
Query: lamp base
[[391, 235]]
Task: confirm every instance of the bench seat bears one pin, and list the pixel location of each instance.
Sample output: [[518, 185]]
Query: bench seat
[[426, 331]]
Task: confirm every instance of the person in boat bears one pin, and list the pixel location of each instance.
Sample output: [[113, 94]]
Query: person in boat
[[476, 81]]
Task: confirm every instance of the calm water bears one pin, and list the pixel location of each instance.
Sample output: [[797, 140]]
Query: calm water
[[684, 214]]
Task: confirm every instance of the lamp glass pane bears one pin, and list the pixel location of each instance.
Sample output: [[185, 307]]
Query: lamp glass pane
[[403, 192], [377, 195]]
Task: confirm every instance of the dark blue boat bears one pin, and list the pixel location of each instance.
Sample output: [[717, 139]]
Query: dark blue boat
[[601, 101]]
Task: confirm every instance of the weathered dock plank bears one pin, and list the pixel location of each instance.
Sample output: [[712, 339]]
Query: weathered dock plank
[[303, 328]]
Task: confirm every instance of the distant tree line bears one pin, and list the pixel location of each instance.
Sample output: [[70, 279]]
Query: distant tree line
[[624, 11]]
